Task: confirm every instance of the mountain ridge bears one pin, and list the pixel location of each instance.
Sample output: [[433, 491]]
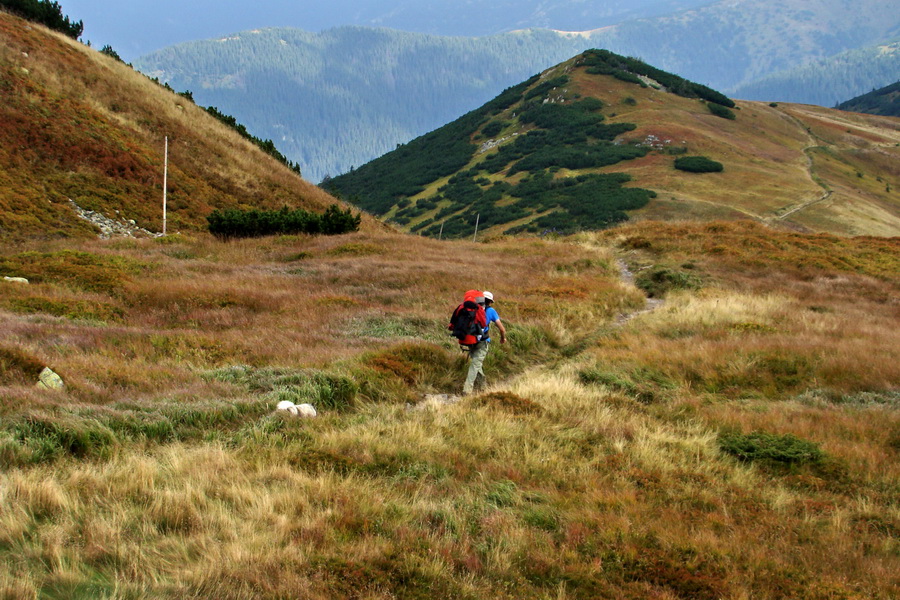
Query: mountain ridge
[[791, 166], [361, 110], [884, 101], [829, 81]]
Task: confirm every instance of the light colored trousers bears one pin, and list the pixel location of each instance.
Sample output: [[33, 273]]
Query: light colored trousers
[[476, 355]]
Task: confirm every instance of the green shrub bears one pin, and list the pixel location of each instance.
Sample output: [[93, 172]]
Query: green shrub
[[721, 111], [628, 77], [770, 448], [493, 128], [767, 447], [658, 281], [604, 62], [698, 164], [234, 223], [541, 89], [110, 52]]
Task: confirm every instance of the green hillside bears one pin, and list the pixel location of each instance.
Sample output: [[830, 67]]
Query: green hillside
[[601, 137], [885, 101], [529, 160]]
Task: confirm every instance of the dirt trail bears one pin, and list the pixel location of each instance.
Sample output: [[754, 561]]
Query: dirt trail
[[650, 305], [432, 401], [812, 143]]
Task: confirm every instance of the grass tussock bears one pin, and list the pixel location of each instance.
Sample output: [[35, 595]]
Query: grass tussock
[[739, 441]]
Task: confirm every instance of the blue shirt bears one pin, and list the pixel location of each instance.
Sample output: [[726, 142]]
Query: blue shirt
[[492, 316]]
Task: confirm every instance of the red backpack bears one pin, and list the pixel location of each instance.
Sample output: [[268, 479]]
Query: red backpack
[[468, 320]]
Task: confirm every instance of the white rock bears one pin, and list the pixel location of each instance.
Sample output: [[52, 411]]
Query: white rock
[[307, 411], [284, 405], [15, 279], [48, 380]]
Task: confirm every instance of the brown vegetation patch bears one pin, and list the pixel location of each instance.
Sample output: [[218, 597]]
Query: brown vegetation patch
[[18, 367], [746, 244], [507, 402], [416, 364], [80, 270]]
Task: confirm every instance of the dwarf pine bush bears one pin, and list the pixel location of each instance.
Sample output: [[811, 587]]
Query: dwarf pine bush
[[721, 111], [656, 282], [234, 223], [698, 164], [767, 447]]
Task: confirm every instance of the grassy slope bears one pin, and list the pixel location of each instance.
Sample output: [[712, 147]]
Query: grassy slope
[[776, 158], [77, 124], [780, 161], [767, 171], [595, 469]]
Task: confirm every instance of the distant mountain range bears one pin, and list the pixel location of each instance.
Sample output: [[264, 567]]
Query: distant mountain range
[[831, 80], [336, 99], [137, 27]]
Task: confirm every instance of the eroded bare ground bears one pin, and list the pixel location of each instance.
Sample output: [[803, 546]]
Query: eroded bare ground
[[651, 304]]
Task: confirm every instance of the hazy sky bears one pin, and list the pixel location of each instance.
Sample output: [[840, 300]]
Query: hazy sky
[[137, 27]]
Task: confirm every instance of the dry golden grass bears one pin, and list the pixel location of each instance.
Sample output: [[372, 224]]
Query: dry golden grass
[[79, 125], [594, 466], [600, 463], [776, 158]]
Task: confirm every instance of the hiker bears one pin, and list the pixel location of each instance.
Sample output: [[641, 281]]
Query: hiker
[[478, 352]]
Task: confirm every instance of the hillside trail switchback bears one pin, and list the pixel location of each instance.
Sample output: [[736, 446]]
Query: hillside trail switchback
[[813, 142]]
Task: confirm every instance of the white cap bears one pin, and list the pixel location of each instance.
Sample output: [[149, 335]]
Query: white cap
[[488, 296]]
